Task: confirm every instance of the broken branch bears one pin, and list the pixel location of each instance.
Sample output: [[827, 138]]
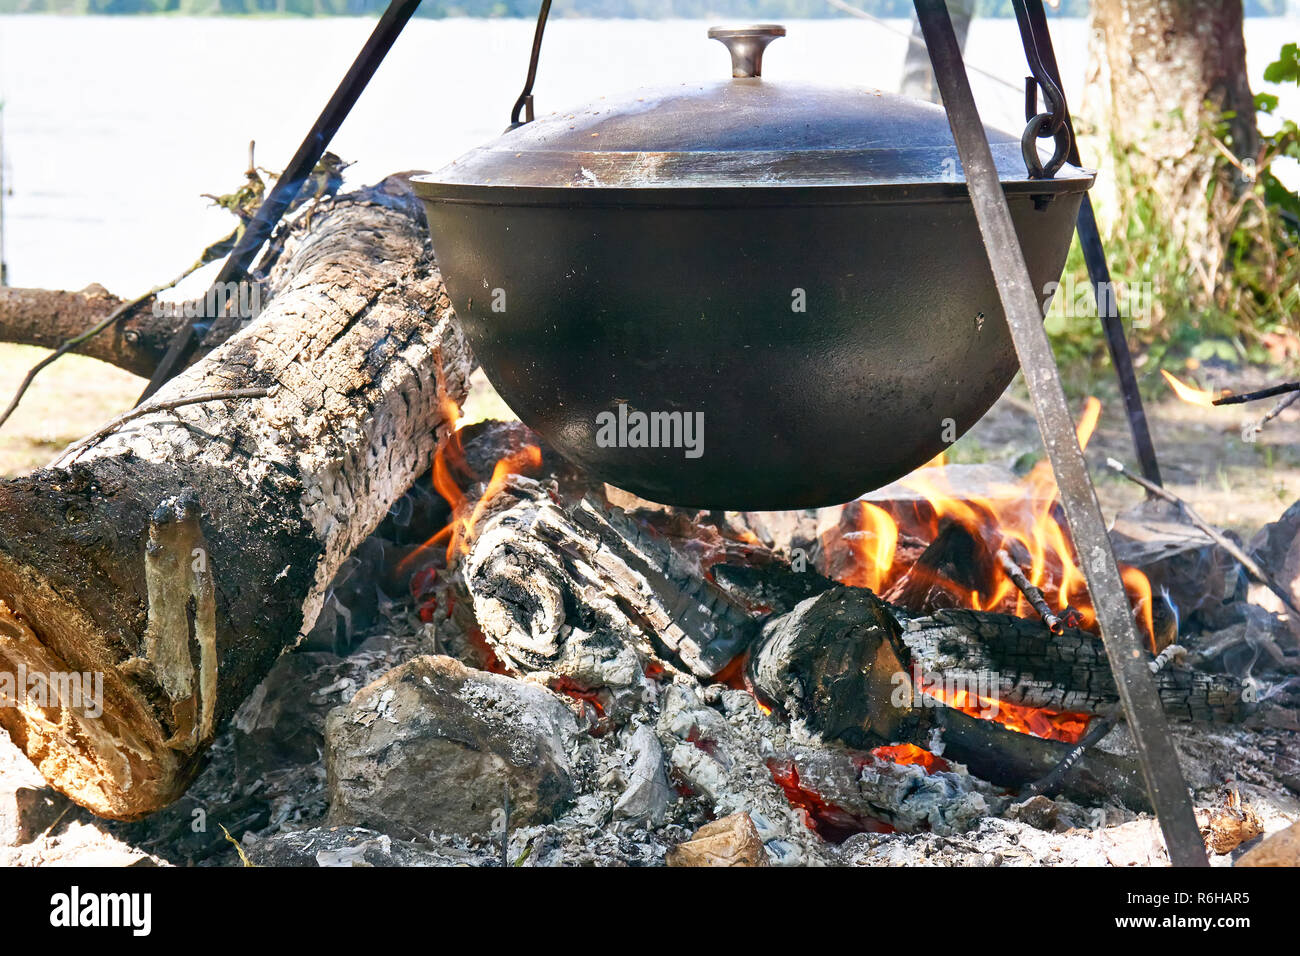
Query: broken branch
[[1222, 540]]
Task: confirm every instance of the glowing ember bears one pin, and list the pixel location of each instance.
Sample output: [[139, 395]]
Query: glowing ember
[[833, 824], [1064, 726], [910, 754], [1188, 393]]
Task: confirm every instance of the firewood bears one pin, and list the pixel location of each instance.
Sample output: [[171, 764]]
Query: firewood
[[840, 665], [180, 553], [584, 595], [952, 566], [1025, 664], [546, 576]]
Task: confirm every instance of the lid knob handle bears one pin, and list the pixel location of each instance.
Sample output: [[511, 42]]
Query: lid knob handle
[[746, 45]]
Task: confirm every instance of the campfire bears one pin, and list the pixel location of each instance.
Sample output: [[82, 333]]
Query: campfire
[[934, 626], [507, 660]]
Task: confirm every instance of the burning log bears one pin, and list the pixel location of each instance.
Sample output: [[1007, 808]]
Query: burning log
[[581, 591], [1021, 663], [840, 664], [952, 567], [177, 555]]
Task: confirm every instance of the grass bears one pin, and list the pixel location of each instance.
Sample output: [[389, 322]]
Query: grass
[[70, 399]]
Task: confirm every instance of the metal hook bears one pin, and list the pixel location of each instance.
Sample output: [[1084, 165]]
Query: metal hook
[[1041, 125], [525, 101]]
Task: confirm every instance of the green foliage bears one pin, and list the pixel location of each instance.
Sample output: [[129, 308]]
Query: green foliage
[[1286, 69]]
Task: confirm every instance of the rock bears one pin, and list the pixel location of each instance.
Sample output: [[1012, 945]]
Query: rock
[[433, 746], [731, 841], [646, 798], [1280, 849], [36, 809], [1039, 812]]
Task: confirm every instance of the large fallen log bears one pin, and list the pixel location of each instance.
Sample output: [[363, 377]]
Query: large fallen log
[[176, 555]]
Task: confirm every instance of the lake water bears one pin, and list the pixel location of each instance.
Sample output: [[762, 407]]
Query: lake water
[[114, 127]]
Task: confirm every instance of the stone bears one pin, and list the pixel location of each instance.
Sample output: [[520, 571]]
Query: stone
[[37, 809], [1040, 812], [433, 746], [731, 841]]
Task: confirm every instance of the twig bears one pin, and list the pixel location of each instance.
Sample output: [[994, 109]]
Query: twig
[[1226, 543], [1256, 396], [1272, 413], [1174, 652], [165, 406], [1032, 594], [1051, 783], [1101, 725], [112, 318]]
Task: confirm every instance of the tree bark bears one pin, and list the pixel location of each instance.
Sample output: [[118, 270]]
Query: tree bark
[[180, 553], [48, 318], [1158, 63]]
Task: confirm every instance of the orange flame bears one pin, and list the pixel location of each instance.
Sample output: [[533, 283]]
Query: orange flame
[[1188, 393], [1139, 591], [449, 458], [875, 542], [1026, 520], [1050, 725]]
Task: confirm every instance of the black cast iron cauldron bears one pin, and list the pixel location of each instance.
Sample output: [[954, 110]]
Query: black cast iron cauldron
[[795, 268]]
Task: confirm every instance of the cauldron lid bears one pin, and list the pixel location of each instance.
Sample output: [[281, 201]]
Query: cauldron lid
[[745, 132]]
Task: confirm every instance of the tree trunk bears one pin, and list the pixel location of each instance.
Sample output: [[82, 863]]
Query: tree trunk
[[1157, 64], [178, 554]]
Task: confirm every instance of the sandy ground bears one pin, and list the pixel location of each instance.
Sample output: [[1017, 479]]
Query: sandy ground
[[1203, 458], [68, 400], [1234, 483]]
